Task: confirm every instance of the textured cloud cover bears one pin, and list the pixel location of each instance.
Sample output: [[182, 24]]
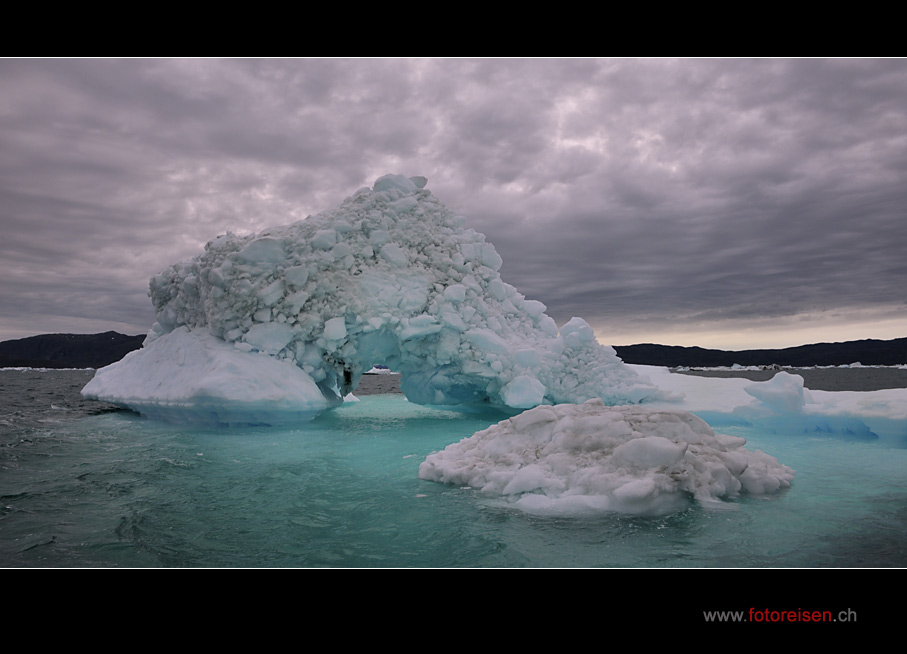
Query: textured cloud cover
[[724, 203]]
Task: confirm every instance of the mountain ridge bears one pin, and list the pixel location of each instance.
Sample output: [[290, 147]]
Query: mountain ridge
[[67, 350], [870, 352], [99, 350]]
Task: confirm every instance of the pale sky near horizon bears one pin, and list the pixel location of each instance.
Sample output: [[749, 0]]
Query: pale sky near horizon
[[726, 203]]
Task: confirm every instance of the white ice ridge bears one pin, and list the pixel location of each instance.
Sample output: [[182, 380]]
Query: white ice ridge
[[391, 277], [589, 458]]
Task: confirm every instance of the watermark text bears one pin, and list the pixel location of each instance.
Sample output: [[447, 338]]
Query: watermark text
[[766, 615]]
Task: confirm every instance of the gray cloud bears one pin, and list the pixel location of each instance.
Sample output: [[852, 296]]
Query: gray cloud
[[652, 197]]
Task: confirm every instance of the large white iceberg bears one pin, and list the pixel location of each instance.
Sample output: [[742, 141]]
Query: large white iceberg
[[582, 458], [294, 315]]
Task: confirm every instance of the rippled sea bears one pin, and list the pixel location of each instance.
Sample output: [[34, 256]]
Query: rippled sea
[[85, 485]]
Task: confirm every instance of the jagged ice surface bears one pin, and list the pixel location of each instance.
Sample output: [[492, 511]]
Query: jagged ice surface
[[392, 277], [582, 458]]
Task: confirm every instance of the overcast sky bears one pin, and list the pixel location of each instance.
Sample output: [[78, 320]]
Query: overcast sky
[[724, 203]]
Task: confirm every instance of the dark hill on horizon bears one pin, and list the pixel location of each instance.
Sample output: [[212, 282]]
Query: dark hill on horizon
[[67, 350], [99, 350], [868, 352]]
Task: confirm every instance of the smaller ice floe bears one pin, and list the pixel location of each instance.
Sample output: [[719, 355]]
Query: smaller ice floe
[[784, 405], [587, 458], [733, 368], [380, 370]]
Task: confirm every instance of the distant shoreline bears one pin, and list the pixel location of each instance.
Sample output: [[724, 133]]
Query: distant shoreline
[[67, 350], [869, 352], [81, 351]]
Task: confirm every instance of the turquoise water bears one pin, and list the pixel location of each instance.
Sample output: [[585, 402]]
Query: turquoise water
[[82, 486]]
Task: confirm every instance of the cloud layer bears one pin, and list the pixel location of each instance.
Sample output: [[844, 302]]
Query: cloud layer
[[725, 203]]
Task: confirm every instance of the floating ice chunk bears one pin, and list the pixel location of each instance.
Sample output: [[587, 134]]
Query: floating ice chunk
[[572, 458], [777, 406], [783, 393]]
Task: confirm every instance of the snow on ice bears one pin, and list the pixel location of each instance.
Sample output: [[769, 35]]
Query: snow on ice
[[580, 458]]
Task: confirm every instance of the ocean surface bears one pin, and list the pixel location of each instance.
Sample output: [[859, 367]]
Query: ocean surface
[[85, 485]]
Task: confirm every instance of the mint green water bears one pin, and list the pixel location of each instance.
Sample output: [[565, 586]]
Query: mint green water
[[80, 487]]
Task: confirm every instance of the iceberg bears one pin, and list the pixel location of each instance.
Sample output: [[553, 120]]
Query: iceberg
[[280, 325], [590, 458]]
